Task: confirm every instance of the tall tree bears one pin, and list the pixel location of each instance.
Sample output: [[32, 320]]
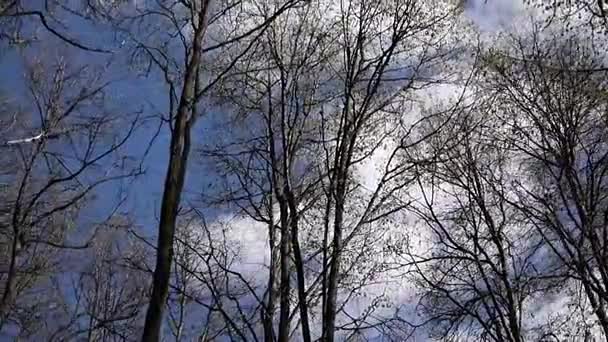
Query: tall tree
[[388, 50], [178, 54], [482, 270], [271, 164], [288, 105], [552, 100]]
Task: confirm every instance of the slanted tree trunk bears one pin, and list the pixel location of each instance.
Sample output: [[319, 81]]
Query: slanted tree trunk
[[174, 183]]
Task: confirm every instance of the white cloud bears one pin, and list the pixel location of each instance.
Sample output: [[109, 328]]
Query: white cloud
[[496, 14]]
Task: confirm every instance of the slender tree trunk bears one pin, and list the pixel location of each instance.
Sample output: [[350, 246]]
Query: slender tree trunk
[[174, 183], [285, 286], [299, 265], [180, 145], [329, 317], [268, 313], [341, 163], [325, 264]]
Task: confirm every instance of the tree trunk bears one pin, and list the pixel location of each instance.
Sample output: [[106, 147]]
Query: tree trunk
[[268, 312], [285, 286], [174, 183], [329, 317], [341, 164], [299, 263]]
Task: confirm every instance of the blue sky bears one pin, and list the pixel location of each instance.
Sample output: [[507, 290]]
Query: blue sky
[[147, 190], [129, 92]]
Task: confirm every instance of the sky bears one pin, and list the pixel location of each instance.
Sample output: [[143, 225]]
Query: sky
[[130, 93], [134, 93], [147, 190]]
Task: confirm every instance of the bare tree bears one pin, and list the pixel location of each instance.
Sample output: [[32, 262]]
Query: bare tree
[[258, 182], [108, 292], [550, 99], [376, 76], [57, 146], [272, 165], [194, 30], [319, 149], [484, 265]]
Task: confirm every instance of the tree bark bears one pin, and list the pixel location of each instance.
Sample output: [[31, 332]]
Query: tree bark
[[174, 183], [285, 286], [329, 316], [268, 312], [299, 265]]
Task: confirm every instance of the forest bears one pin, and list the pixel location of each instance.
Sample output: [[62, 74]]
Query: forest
[[304, 170]]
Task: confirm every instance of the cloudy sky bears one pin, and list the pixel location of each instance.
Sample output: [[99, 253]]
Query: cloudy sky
[[131, 93]]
